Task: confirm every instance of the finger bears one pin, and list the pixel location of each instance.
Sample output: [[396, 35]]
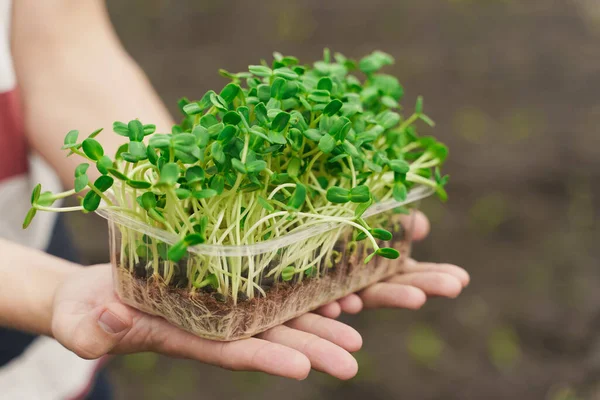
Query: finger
[[417, 223], [323, 355], [414, 266], [432, 283], [251, 354], [351, 304], [331, 310], [329, 329], [93, 334], [392, 295]]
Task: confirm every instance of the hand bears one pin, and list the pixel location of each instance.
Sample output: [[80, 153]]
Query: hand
[[407, 289], [89, 319]]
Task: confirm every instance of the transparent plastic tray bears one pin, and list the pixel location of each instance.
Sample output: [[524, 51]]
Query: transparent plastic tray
[[260, 299]]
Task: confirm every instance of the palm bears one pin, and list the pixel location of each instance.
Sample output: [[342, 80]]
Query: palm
[[90, 320]]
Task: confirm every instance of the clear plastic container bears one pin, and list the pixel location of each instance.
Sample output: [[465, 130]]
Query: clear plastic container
[[328, 261]]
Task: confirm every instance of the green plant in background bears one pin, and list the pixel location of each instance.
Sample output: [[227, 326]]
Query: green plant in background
[[425, 345], [281, 147], [503, 347]]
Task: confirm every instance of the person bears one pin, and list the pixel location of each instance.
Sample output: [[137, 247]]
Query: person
[[62, 67]]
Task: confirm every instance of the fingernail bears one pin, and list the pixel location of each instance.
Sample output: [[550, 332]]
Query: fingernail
[[111, 323]]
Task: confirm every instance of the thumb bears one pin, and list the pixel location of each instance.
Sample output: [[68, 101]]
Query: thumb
[[95, 333]]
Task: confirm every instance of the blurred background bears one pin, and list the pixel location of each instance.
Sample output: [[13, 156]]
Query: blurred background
[[513, 86]]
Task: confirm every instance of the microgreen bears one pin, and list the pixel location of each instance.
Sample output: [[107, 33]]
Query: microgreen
[[280, 147]]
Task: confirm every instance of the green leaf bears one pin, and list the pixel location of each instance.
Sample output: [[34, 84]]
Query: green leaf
[[439, 151], [260, 70], [210, 280], [350, 149], [218, 102], [149, 129], [298, 197], [117, 174], [381, 234], [217, 183], [333, 107], [158, 217], [177, 251], [277, 88], [120, 128], [277, 138], [230, 92], [216, 150], [388, 252], [264, 92], [293, 168], [374, 62], [325, 83], [359, 194], [255, 166], [91, 201], [238, 165], [35, 195], [285, 73], [265, 204], [227, 134], [159, 141], [427, 120], [327, 143], [192, 109], [169, 174], [400, 166], [261, 114], [280, 121], [92, 149], [399, 191], [338, 195], [194, 174], [319, 96], [80, 183], [313, 134], [136, 131], [182, 194], [147, 200], [232, 118], [103, 183], [288, 273], [388, 119], [194, 238], [29, 217], [441, 193], [81, 169], [103, 164], [419, 105], [138, 150], [139, 184], [340, 128], [70, 139], [204, 193]]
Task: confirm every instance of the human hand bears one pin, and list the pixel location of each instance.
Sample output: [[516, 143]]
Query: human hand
[[407, 289], [89, 319]]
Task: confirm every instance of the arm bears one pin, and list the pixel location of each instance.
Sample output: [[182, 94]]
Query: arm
[[73, 73], [26, 294]]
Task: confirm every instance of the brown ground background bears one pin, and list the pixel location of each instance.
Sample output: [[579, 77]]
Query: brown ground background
[[513, 86]]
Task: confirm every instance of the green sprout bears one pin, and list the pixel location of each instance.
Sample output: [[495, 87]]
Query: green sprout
[[281, 147]]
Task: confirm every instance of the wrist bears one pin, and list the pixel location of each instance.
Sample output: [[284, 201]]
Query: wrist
[[30, 280]]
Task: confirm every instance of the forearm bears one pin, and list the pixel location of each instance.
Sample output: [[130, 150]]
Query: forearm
[[29, 281], [74, 74]]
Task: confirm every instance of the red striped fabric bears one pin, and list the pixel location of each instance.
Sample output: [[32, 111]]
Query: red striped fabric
[[13, 145]]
